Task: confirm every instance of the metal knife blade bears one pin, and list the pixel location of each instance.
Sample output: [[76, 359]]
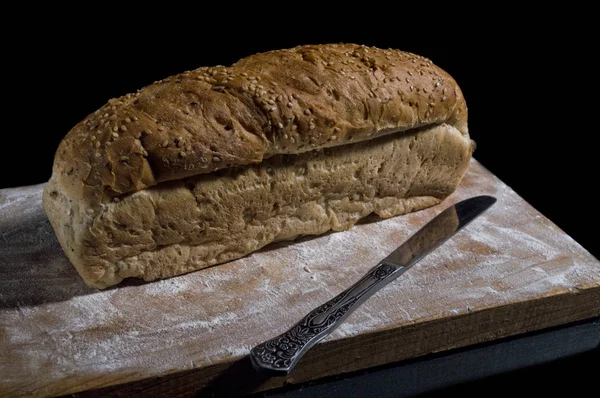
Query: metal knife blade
[[281, 354]]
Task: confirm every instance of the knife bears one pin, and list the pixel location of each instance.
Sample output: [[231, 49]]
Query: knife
[[280, 354]]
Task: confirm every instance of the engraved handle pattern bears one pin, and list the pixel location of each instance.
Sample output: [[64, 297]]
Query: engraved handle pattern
[[281, 353]]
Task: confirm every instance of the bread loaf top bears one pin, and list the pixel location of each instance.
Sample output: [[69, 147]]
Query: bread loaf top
[[278, 102]]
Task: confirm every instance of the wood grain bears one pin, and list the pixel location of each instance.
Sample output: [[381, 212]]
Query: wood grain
[[509, 272]]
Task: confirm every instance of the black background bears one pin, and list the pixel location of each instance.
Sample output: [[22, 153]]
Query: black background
[[527, 101], [529, 90]]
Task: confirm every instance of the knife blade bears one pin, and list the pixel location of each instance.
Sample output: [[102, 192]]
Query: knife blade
[[281, 354]]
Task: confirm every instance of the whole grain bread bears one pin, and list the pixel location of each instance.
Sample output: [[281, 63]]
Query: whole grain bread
[[212, 164]]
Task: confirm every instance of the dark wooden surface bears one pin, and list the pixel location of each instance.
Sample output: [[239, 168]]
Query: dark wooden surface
[[557, 360]]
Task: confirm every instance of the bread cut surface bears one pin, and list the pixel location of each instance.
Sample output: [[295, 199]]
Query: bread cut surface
[[212, 164]]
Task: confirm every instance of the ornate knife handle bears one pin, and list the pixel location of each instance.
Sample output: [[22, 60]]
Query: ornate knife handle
[[281, 353]]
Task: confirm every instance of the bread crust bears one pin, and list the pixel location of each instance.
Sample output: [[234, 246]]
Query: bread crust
[[284, 101], [183, 133]]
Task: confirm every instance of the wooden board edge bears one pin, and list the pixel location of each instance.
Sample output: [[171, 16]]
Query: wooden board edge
[[387, 346]]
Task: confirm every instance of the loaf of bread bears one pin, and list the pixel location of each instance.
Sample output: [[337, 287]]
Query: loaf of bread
[[209, 165]]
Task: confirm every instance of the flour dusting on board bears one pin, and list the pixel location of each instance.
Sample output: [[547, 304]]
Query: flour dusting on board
[[53, 323]]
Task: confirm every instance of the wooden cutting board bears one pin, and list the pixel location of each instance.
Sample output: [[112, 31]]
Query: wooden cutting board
[[509, 272]]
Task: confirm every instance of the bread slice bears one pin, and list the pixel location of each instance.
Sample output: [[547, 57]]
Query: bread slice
[[210, 165]]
